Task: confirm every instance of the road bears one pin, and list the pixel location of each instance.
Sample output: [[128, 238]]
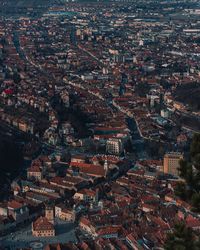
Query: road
[[93, 56]]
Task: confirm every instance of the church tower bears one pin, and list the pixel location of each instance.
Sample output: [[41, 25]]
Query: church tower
[[49, 213]]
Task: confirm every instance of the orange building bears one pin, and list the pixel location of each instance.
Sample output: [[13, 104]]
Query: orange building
[[171, 162]]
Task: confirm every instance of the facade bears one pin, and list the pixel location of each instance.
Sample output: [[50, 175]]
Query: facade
[[86, 195], [43, 228], [114, 146], [3, 209], [171, 162], [67, 215], [64, 213], [34, 172], [85, 225]]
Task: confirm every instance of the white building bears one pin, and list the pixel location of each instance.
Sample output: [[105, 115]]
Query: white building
[[114, 146]]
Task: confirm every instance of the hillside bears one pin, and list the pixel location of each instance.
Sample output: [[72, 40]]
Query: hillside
[[10, 163], [189, 94]]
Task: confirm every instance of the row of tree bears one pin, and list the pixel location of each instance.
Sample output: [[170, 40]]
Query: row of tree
[[182, 237], [190, 172], [11, 160]]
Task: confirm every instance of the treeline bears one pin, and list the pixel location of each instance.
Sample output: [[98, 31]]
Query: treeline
[[190, 172], [189, 94], [11, 160], [182, 238]]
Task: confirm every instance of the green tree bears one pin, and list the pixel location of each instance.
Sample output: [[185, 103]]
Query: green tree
[[196, 161], [183, 168], [190, 171], [196, 202], [197, 244], [186, 171], [180, 190], [16, 78], [182, 238], [195, 146]]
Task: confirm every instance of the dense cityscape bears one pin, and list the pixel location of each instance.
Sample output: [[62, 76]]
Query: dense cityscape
[[100, 125]]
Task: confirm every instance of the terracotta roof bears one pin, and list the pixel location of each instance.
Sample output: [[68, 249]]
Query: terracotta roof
[[109, 158], [192, 222], [34, 169], [108, 230], [42, 224], [90, 169], [81, 164], [87, 192], [84, 221], [14, 204]]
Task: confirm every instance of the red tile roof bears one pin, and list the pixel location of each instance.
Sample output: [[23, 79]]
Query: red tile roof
[[109, 230], [90, 169], [34, 169], [14, 204], [42, 224]]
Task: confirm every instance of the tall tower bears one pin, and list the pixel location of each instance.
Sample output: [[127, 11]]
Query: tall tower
[[49, 213], [106, 166]]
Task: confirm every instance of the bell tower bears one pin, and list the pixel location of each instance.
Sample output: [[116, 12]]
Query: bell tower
[[49, 213]]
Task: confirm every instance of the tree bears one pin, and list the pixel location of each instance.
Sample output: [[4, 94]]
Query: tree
[[196, 161], [180, 190], [16, 78], [11, 160], [182, 238], [183, 168], [190, 171], [195, 146], [186, 172], [196, 202]]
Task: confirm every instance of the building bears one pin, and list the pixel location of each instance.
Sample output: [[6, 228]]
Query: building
[[114, 146], [64, 213], [87, 195], [18, 211], [171, 162], [109, 232], [43, 228], [67, 215], [34, 172], [3, 209], [49, 214], [164, 113]]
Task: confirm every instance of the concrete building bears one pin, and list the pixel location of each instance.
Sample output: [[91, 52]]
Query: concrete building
[[114, 146], [171, 162]]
